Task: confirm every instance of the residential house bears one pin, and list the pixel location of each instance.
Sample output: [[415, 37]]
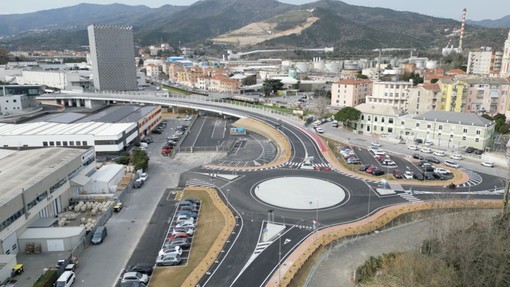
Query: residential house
[[390, 93]]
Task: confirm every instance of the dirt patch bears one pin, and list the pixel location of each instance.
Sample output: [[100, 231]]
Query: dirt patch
[[258, 32]]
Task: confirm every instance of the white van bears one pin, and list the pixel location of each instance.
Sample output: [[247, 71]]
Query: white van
[[66, 279]]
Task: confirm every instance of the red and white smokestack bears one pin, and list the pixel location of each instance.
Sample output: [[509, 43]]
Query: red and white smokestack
[[464, 12]]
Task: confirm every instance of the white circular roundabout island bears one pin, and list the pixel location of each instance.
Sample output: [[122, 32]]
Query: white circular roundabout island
[[299, 193]]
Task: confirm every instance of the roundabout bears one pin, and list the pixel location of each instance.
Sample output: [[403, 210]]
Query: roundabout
[[305, 193]]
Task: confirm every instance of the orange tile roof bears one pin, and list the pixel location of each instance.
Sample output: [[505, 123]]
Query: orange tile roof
[[431, 87], [456, 71]]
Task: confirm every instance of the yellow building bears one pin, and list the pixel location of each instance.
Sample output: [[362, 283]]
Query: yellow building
[[453, 95]]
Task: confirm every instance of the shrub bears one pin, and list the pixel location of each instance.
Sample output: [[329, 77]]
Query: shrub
[[47, 279]]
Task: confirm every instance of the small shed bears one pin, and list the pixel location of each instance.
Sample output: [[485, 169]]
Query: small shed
[[52, 238], [105, 179]]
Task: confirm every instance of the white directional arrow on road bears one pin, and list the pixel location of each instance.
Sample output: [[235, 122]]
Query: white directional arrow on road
[[286, 241]]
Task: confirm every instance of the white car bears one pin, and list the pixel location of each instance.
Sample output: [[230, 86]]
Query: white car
[[412, 147], [441, 170], [439, 153], [185, 224], [428, 143], [488, 164], [135, 277], [456, 156], [408, 174], [376, 144], [143, 177], [451, 164], [426, 150], [172, 250], [319, 130]]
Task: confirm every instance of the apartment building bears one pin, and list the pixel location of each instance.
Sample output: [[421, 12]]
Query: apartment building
[[474, 94], [350, 92], [423, 98], [390, 93], [377, 119], [505, 62], [484, 62]]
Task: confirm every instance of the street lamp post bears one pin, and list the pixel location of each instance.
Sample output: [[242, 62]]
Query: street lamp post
[[279, 259], [228, 192]]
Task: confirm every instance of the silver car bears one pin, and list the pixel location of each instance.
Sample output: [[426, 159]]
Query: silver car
[[168, 260]]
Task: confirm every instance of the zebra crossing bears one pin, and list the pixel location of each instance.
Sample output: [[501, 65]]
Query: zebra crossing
[[198, 182], [409, 197], [261, 247], [297, 165], [474, 178]]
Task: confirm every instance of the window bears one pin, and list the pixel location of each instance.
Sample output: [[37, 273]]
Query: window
[[84, 143], [477, 132], [417, 125], [440, 127], [375, 119], [390, 120], [64, 143], [71, 143], [362, 117], [52, 144], [464, 131], [477, 140], [428, 126], [402, 123], [59, 143], [368, 119], [390, 130], [45, 143], [464, 138], [382, 119]]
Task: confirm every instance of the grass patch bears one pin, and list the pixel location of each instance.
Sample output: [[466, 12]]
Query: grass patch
[[210, 225], [176, 90]]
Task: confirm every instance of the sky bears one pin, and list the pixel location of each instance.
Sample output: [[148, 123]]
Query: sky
[[476, 9]]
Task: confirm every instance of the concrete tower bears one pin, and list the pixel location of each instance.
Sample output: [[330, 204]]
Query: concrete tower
[[113, 57], [505, 63]]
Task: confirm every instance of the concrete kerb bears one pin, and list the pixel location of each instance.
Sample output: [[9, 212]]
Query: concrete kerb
[[282, 143], [294, 262], [200, 270]]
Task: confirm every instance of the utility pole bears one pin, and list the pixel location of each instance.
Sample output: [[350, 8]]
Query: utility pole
[[507, 190]]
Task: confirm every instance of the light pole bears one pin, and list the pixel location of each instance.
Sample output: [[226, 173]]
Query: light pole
[[368, 208], [228, 191], [279, 259]]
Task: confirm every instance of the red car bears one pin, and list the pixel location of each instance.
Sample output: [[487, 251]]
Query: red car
[[166, 151], [370, 169], [178, 235]]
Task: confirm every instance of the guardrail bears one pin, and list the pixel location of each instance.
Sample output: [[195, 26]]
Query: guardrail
[[309, 246]]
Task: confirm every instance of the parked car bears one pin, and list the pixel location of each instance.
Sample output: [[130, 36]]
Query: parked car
[[135, 276], [456, 156], [376, 144], [470, 149], [185, 224], [377, 172], [428, 143], [184, 243], [478, 151], [438, 176], [408, 174], [364, 167], [370, 169], [397, 174], [178, 235], [353, 160], [418, 141], [451, 164], [144, 176], [441, 170], [439, 153], [335, 124], [428, 176], [137, 183], [418, 176], [144, 268], [319, 130], [189, 230], [432, 159], [156, 131], [187, 213], [173, 250], [168, 260], [118, 206], [99, 235], [417, 156], [388, 162], [426, 150], [488, 164], [412, 147]]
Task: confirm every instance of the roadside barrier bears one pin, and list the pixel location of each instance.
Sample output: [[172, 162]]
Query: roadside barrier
[[295, 261]]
